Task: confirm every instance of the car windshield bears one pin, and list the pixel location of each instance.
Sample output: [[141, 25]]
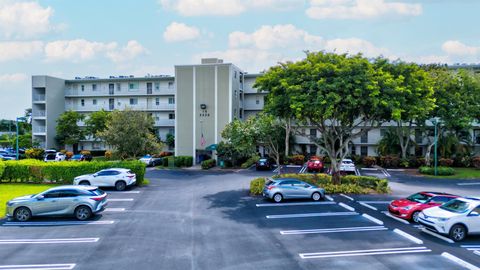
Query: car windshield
[[346, 162], [263, 160], [456, 206], [419, 197]]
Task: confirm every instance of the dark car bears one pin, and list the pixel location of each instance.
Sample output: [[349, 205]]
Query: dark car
[[263, 164]]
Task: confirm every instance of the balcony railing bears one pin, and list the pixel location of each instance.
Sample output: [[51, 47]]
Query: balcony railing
[[165, 122], [39, 114], [39, 130], [39, 98]]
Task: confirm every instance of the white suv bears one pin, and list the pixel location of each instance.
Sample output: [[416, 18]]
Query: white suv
[[456, 218], [116, 177], [347, 165]]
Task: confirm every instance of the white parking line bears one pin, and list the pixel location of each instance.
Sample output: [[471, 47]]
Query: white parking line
[[328, 214], [448, 240], [114, 209], [124, 192], [49, 241], [471, 247], [336, 230], [468, 184], [348, 197], [459, 261], [396, 218], [408, 236], [329, 198], [348, 207], [376, 202], [366, 252], [357, 172], [39, 266], [367, 216], [58, 223], [369, 169], [396, 170], [368, 206], [292, 204], [476, 252], [120, 200]]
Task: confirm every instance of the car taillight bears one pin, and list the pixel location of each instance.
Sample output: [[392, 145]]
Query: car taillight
[[98, 198], [130, 176], [270, 187]]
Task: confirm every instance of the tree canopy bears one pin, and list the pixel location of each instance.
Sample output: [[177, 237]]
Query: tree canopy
[[68, 131]]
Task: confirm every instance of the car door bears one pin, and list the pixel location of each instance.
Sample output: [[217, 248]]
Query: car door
[[301, 190], [111, 178], [100, 179], [48, 205], [287, 189], [472, 221], [67, 201]]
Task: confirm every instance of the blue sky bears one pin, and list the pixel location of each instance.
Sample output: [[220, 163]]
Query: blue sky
[[101, 38]]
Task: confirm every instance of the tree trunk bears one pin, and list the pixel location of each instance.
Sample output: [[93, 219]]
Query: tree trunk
[[403, 134], [336, 180], [428, 154], [288, 127]]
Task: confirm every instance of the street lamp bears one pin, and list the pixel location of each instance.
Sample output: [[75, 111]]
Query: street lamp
[[19, 119], [435, 122]]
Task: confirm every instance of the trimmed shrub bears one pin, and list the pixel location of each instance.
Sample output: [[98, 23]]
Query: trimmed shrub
[[256, 186], [250, 162], [85, 152], [34, 153], [108, 154], [404, 163], [476, 162], [389, 161], [209, 163], [357, 159], [415, 162], [35, 171], [63, 151], [2, 168], [183, 161], [440, 170], [369, 161], [296, 159], [326, 159], [462, 161], [165, 154], [445, 162]]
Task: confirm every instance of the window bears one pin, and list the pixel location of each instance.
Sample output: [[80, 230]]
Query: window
[[364, 151], [52, 194], [476, 134], [171, 131], [157, 86], [240, 113], [353, 150], [364, 137], [257, 101], [157, 118], [94, 87], [119, 86], [171, 100], [441, 199], [171, 116], [157, 101], [94, 102], [133, 101], [83, 87], [383, 131], [170, 85], [418, 136], [313, 133], [313, 149], [133, 86], [82, 102], [235, 74]]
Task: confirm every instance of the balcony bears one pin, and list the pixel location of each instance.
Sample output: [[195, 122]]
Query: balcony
[[39, 129], [154, 107], [38, 114], [165, 123], [38, 98], [122, 93]]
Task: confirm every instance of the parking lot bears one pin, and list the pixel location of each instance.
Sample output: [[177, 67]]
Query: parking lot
[[207, 220]]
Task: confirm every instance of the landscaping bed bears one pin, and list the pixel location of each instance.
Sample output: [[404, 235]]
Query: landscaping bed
[[349, 184]]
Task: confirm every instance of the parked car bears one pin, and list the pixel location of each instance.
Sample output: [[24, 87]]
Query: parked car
[[82, 202], [151, 161], [116, 177], [4, 157], [347, 166], [263, 164], [290, 188], [410, 207], [314, 164], [59, 156], [50, 157], [456, 218], [76, 158]]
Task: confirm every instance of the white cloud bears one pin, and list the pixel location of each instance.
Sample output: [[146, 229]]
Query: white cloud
[[176, 32], [13, 50], [455, 47], [13, 78], [360, 9], [24, 19], [79, 50], [356, 45], [225, 7]]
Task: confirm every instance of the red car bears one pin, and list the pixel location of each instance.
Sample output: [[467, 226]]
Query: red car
[[315, 164], [410, 207]]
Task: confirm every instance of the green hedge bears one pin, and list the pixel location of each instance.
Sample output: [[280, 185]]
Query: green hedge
[[250, 162], [209, 163], [256, 186], [183, 161], [2, 168], [35, 171], [440, 170]]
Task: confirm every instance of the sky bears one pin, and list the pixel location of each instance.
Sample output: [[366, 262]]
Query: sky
[[100, 38]]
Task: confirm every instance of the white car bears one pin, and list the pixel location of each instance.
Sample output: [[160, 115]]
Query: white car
[[116, 177], [151, 161], [456, 218], [347, 165], [2, 157], [59, 156]]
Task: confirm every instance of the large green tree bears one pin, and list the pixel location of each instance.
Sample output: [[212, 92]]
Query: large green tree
[[68, 131], [130, 133], [96, 123], [342, 96], [241, 135], [269, 131]]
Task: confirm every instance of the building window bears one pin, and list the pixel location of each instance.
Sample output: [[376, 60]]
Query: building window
[[157, 101], [133, 101], [418, 136], [119, 86], [171, 116], [94, 102], [157, 86], [476, 134], [171, 131], [313, 133], [170, 85], [83, 87], [236, 94], [364, 151], [257, 101], [313, 149], [235, 74], [157, 118], [133, 86], [364, 137], [383, 131], [240, 113], [94, 87], [353, 150], [171, 100], [82, 102]]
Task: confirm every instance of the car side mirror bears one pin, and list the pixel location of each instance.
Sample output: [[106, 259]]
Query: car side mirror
[[307, 186], [473, 214], [40, 197], [95, 175]]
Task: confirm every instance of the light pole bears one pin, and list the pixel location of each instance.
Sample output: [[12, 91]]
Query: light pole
[[435, 122], [16, 121]]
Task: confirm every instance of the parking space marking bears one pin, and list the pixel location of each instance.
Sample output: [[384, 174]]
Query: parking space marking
[[367, 216], [57, 223], [124, 192], [292, 204], [471, 247], [67, 266], [48, 241], [120, 200], [369, 169], [348, 207], [366, 252], [396, 218], [448, 240], [368, 206], [328, 214], [303, 169], [468, 184], [385, 173], [459, 261], [329, 198], [335, 230], [375, 202], [348, 197], [408, 236], [114, 209]]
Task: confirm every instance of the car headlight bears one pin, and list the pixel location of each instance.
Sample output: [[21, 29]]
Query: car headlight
[[10, 203], [442, 219], [407, 207]]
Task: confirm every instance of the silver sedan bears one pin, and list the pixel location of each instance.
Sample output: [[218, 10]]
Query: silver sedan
[[82, 202], [290, 188]]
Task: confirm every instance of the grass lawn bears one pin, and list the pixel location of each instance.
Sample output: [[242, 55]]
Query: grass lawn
[[10, 191], [460, 173]]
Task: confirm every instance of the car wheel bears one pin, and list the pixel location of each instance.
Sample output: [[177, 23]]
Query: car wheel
[[22, 214], [316, 196], [84, 183], [83, 212], [415, 216], [458, 233], [120, 185], [277, 197]]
